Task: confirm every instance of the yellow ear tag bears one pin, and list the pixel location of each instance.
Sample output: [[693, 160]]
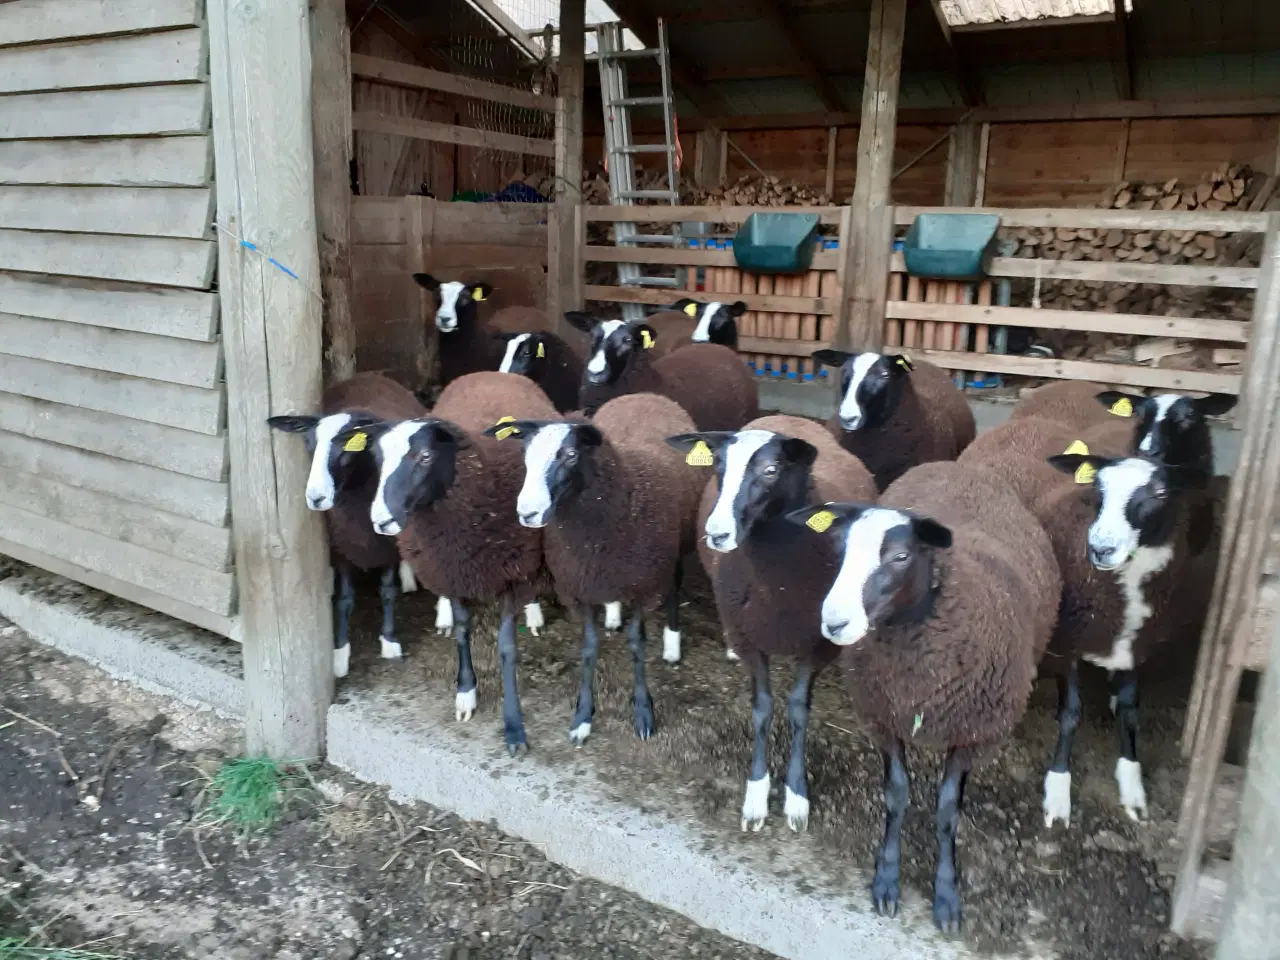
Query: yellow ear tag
[[356, 443], [691, 310], [506, 431], [646, 338], [1077, 446], [477, 293], [821, 521], [542, 352], [700, 455], [905, 363], [1122, 407], [1086, 473]]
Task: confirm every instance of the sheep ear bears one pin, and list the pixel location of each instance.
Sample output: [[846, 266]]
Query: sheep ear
[[831, 358], [799, 452], [580, 320], [426, 280], [293, 423], [647, 335], [899, 364], [480, 291], [445, 432], [686, 306], [588, 434], [1084, 466], [737, 308], [931, 533], [826, 517], [358, 437], [1119, 403], [700, 449], [1215, 405], [511, 427]]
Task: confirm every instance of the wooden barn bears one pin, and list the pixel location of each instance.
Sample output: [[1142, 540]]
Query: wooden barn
[[210, 208]]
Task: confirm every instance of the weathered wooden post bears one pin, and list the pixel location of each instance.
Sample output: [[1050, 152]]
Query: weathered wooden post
[[563, 237]]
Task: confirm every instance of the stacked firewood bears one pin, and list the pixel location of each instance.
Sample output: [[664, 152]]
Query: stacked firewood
[[757, 191]]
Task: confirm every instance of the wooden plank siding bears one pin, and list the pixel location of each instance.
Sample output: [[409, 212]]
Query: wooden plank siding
[[114, 461]]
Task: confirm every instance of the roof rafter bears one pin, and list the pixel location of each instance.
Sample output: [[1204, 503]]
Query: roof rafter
[[802, 53], [970, 87], [643, 24]]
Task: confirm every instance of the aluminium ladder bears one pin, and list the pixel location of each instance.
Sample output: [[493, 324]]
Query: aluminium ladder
[[620, 149]]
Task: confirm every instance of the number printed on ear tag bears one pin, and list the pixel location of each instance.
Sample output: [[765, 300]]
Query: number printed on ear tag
[[821, 521], [1086, 473], [1078, 446], [700, 455]]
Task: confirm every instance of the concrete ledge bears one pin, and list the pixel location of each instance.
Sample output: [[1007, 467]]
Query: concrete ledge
[[129, 642], [419, 752]]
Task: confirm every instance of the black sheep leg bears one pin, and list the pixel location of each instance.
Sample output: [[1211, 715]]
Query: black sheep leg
[[946, 894], [344, 602], [1057, 782], [885, 892], [388, 590], [643, 702], [465, 701], [1124, 688], [755, 805], [796, 804], [512, 717], [671, 632], [580, 727]]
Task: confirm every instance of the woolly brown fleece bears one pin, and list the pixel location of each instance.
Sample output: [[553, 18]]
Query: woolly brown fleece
[[469, 545], [672, 330], [769, 590], [1073, 402], [931, 422], [709, 381], [962, 676], [351, 534], [620, 537], [472, 347]]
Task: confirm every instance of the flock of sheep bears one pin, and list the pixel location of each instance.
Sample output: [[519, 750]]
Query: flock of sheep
[[942, 572]]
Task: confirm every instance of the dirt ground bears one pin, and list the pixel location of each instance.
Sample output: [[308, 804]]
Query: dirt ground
[[1098, 889], [347, 874]]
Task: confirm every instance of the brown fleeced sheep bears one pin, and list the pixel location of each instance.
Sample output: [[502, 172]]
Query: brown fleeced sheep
[[768, 575], [1073, 402], [692, 321], [709, 381], [447, 492], [895, 413], [616, 507], [342, 483], [546, 360], [946, 596]]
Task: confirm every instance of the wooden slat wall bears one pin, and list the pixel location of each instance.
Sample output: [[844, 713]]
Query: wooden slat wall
[[113, 451]]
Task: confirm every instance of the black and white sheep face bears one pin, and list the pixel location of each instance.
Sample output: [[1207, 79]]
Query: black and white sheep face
[[455, 302], [557, 465], [417, 464], [1137, 507], [714, 322], [886, 566], [762, 475], [614, 343], [523, 354], [1169, 426], [334, 466], [871, 385]]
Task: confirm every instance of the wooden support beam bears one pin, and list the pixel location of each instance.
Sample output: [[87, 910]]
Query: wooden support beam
[[872, 225], [833, 147], [1124, 60], [803, 53], [449, 133], [962, 165], [707, 174], [420, 78], [331, 134], [562, 230], [260, 68], [966, 76]]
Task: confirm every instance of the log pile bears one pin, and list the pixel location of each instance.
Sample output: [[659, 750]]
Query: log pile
[[749, 191]]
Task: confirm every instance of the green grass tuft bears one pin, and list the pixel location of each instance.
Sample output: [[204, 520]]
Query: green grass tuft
[[12, 948], [249, 793]]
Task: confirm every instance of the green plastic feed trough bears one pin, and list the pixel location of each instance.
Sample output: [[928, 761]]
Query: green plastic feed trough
[[953, 246], [776, 242]]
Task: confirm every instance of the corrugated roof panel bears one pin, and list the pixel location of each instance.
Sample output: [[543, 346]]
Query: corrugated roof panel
[[960, 13]]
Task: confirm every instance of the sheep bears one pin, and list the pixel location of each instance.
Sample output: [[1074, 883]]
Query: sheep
[[1170, 427], [1073, 402], [617, 510], [709, 381], [341, 483], [445, 490], [945, 599], [689, 321], [768, 578], [546, 360], [895, 414]]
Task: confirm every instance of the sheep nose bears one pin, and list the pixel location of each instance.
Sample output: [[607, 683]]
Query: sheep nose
[[1102, 556], [387, 528], [851, 423], [833, 628], [315, 502], [717, 541], [530, 518]]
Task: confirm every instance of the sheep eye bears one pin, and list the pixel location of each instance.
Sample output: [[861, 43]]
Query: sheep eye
[[1160, 493], [570, 456], [424, 456], [771, 470], [899, 558]]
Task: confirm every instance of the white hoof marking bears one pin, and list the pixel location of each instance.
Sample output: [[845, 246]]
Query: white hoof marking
[[390, 649], [580, 733], [408, 582], [670, 645], [755, 805], [730, 655], [464, 705], [341, 661], [613, 616], [533, 617], [444, 615], [796, 808], [1057, 798], [1132, 795]]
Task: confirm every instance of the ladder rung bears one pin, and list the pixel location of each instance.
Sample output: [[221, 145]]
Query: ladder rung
[[649, 195], [639, 102], [649, 52], [644, 148], [649, 282]]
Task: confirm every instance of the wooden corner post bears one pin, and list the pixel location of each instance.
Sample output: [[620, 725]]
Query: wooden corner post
[[562, 235], [331, 134], [260, 71], [871, 198]]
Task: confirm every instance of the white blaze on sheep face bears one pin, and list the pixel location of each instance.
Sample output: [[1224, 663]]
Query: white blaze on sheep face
[[1164, 403], [321, 489], [513, 347], [702, 332], [394, 446], [851, 414], [722, 524], [447, 313], [1112, 538], [844, 611], [598, 363], [533, 506]]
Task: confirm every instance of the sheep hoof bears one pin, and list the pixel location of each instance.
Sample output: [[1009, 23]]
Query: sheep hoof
[[730, 655], [517, 749], [796, 808], [341, 660], [946, 910], [755, 805], [408, 582], [885, 896], [517, 743], [613, 616], [1057, 798], [645, 724], [580, 733], [670, 645], [533, 618], [464, 705], [391, 649], [1133, 797], [444, 616]]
